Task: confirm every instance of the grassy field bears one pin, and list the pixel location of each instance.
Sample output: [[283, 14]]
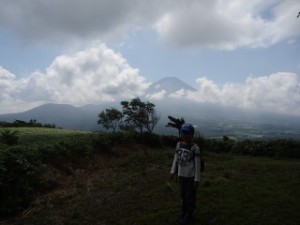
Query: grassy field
[[131, 187], [40, 135]]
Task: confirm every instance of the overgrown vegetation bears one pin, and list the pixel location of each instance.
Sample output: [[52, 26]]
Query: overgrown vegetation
[[20, 178], [21, 123], [55, 176], [280, 148], [9, 137]]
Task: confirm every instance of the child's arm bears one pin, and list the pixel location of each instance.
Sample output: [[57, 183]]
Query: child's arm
[[197, 163], [174, 164]]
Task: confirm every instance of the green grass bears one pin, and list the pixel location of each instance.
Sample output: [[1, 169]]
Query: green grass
[[39, 135], [132, 187], [248, 190]]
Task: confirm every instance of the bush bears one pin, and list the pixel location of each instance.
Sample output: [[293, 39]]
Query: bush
[[169, 141], [20, 179], [219, 145], [268, 148], [149, 139], [287, 148], [105, 142], [65, 151], [102, 144], [22, 170], [9, 137]]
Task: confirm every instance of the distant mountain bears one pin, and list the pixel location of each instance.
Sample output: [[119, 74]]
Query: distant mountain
[[169, 85], [62, 115], [211, 120]]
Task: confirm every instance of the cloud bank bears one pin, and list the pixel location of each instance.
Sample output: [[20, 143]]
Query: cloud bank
[[222, 24], [59, 21], [229, 24], [277, 93], [98, 74], [94, 75]]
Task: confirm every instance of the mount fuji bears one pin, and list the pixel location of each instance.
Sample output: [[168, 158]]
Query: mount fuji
[[169, 85]]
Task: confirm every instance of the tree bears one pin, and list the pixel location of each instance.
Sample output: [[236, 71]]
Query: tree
[[152, 120], [176, 123], [140, 114], [110, 118]]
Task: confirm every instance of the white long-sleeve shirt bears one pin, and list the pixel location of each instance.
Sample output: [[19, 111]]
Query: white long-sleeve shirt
[[187, 160]]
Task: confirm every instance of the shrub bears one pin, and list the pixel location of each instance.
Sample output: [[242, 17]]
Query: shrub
[[102, 144], [20, 179], [169, 141], [287, 148], [149, 139], [9, 137], [269, 148], [65, 151], [218, 145]]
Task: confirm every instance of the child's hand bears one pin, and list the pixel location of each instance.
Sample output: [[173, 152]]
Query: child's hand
[[171, 176], [196, 183]]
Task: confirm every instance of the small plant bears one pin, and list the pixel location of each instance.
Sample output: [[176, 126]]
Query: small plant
[[9, 137]]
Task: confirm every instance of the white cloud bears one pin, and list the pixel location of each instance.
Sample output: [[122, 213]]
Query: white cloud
[[6, 78], [61, 21], [94, 75], [5, 74], [10, 93], [224, 24], [279, 92], [228, 24], [158, 95], [178, 94]]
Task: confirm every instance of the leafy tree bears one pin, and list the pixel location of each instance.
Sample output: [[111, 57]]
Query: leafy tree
[[176, 123], [152, 120], [110, 118], [133, 112], [140, 114]]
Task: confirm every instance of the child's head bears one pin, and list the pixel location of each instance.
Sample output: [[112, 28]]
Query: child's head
[[187, 132]]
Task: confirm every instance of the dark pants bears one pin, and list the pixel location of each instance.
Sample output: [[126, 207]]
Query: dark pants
[[188, 194]]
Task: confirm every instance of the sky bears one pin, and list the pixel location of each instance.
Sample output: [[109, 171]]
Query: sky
[[233, 52]]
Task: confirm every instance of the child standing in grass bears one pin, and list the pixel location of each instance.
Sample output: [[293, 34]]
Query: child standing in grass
[[186, 165]]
